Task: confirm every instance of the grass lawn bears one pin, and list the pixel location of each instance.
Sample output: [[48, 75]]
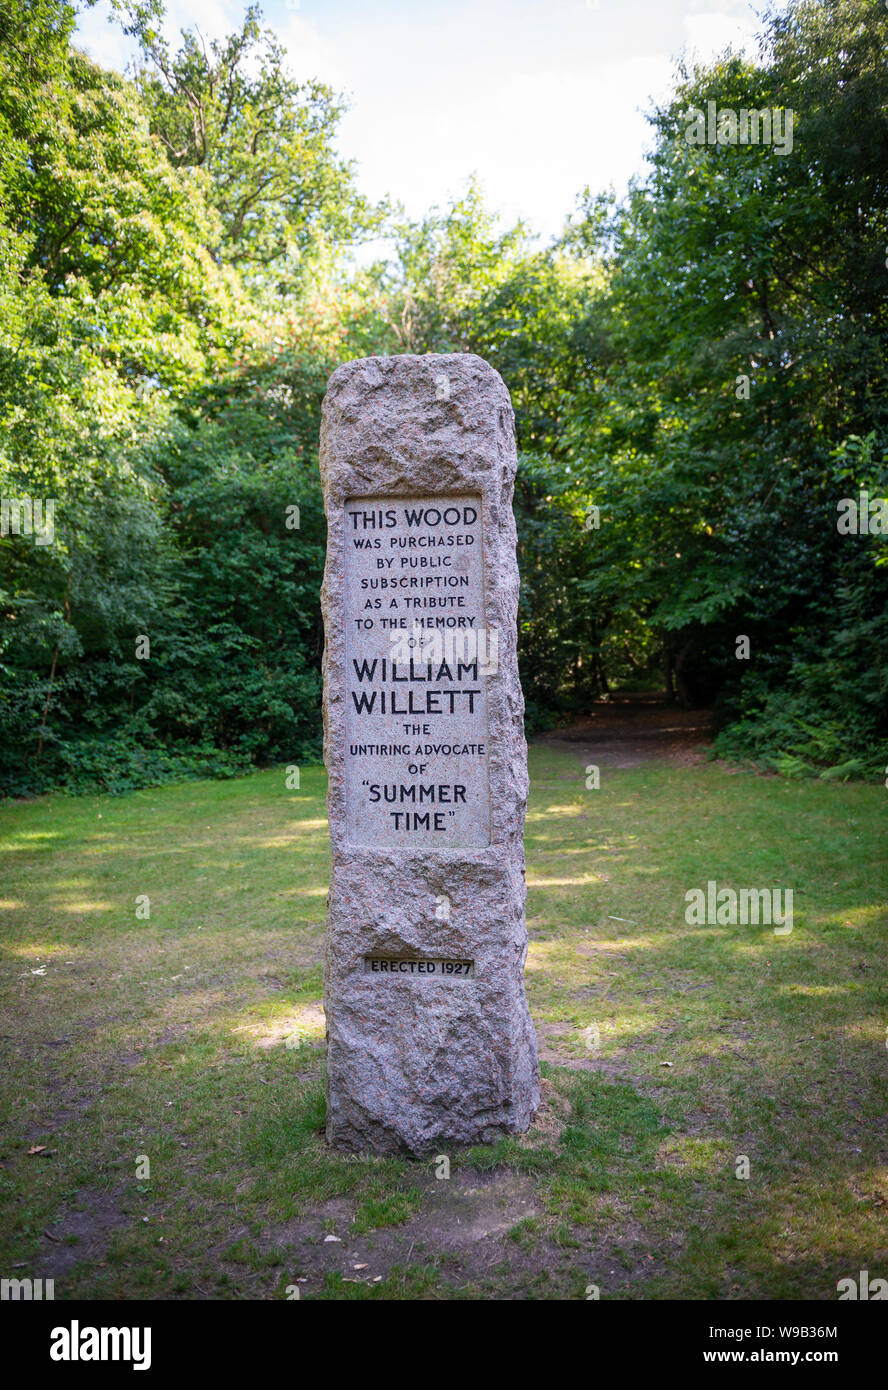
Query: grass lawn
[[193, 1039]]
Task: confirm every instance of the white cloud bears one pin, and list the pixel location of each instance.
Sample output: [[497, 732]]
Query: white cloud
[[309, 53], [102, 40], [534, 138], [708, 35], [539, 97]]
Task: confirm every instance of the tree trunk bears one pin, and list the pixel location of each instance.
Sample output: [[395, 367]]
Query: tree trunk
[[669, 674], [55, 657]]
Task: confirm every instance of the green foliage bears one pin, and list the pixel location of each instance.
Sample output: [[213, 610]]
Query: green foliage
[[735, 264], [174, 295], [264, 141], [445, 265], [126, 399]]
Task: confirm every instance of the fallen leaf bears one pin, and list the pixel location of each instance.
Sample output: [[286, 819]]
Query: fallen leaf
[[37, 1149], [336, 1238]]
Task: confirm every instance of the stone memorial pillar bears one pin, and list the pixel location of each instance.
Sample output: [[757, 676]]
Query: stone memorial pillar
[[429, 1038]]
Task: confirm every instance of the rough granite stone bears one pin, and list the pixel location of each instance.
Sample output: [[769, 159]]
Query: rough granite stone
[[417, 1062]]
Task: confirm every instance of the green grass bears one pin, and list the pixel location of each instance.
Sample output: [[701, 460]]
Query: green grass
[[195, 1038]]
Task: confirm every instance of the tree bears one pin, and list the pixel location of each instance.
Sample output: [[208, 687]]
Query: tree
[[109, 303], [747, 327], [445, 265], [264, 141]]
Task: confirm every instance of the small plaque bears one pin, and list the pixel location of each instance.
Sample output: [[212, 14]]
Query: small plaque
[[417, 662], [391, 966]]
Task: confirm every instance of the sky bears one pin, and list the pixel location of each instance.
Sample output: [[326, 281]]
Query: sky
[[538, 98]]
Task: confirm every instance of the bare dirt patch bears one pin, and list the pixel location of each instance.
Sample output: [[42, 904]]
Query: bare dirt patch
[[549, 1120], [626, 732], [462, 1226], [83, 1231]]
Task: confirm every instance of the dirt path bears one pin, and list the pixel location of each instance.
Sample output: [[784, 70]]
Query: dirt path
[[628, 730]]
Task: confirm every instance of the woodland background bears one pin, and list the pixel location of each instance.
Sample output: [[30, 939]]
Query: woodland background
[[177, 283]]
